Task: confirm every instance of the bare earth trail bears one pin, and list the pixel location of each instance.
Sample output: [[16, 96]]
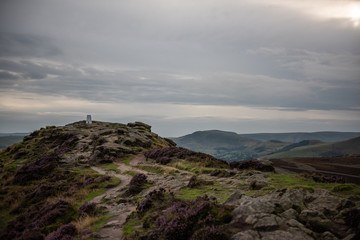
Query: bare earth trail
[[120, 210], [113, 227]]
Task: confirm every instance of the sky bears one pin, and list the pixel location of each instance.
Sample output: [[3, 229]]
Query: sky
[[181, 65]]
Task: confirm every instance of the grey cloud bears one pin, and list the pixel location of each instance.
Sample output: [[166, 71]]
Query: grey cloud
[[21, 45], [221, 88], [183, 52], [4, 75]]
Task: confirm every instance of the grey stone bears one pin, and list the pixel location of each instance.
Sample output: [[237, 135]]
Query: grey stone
[[267, 223], [250, 206], [276, 235], [234, 198], [328, 236], [289, 214], [246, 235]]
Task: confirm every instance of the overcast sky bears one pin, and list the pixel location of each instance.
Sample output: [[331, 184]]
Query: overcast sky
[[181, 65]]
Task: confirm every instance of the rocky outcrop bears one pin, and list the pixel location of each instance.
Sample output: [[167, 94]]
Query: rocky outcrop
[[295, 214]]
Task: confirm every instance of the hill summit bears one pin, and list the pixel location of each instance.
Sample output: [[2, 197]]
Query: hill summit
[[122, 181]]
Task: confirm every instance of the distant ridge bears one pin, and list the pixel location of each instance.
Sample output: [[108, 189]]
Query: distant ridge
[[348, 147], [231, 146], [295, 137]]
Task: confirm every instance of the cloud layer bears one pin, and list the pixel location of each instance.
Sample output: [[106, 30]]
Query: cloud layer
[[181, 62]]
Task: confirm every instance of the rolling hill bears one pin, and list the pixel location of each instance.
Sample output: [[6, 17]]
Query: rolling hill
[[348, 147], [301, 136], [228, 146], [231, 146]]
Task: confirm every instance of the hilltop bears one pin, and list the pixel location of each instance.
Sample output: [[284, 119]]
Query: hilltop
[[122, 181], [231, 146]]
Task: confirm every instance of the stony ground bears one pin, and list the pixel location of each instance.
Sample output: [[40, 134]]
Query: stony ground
[[298, 213]]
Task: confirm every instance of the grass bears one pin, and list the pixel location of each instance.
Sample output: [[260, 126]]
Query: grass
[[218, 191], [130, 227], [293, 181], [100, 223], [131, 173], [194, 167], [110, 167], [126, 161], [346, 188]]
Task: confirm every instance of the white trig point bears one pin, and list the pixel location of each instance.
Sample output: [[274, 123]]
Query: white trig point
[[88, 119]]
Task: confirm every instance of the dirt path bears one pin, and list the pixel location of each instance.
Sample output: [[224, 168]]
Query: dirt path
[[112, 229]]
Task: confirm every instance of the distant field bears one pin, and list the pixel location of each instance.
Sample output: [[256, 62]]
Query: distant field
[[10, 140], [347, 167], [351, 146]]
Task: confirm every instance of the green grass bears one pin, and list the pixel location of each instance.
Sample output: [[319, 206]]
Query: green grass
[[218, 191], [100, 223], [293, 181], [131, 173], [110, 167], [127, 161], [346, 188], [130, 227]]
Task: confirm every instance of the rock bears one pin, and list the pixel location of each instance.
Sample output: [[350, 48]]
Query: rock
[[140, 125], [328, 236], [246, 235], [249, 205], [257, 185], [317, 221], [267, 223], [276, 235], [111, 224], [289, 214], [234, 198]]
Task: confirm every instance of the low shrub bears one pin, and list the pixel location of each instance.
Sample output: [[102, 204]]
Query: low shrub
[[167, 154], [327, 178], [38, 169], [251, 164], [65, 232], [197, 220], [87, 209], [136, 183]]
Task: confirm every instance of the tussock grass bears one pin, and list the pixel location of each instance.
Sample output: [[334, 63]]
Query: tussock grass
[[86, 222]]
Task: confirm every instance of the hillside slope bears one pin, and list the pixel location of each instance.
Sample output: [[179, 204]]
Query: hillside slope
[[8, 140], [117, 181], [351, 146], [301, 136], [228, 146], [46, 178]]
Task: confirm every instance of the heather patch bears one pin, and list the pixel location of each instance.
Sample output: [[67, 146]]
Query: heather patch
[[137, 183], [37, 170], [161, 216], [42, 217], [170, 154], [65, 232], [87, 209], [318, 177], [251, 164]]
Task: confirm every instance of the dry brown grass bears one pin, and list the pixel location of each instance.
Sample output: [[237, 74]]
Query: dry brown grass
[[85, 222]]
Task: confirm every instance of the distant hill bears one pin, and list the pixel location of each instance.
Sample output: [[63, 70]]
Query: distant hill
[[347, 147], [231, 146], [301, 136], [228, 146], [8, 139]]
